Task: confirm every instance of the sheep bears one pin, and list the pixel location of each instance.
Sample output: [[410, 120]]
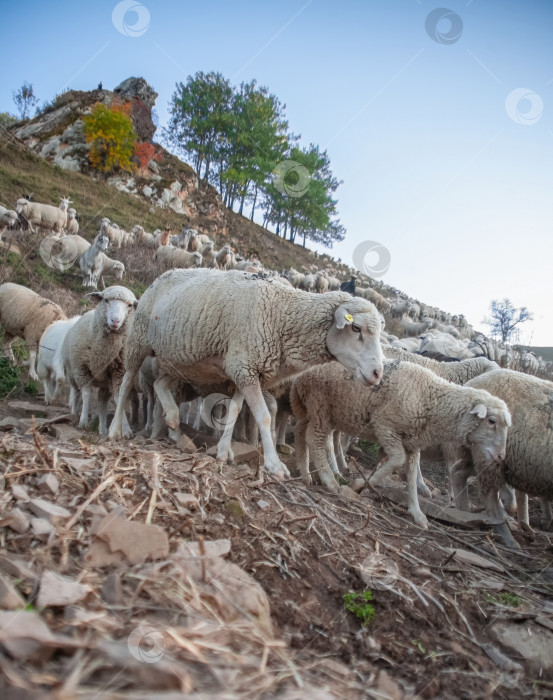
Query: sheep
[[45, 216], [445, 346], [165, 236], [143, 237], [225, 258], [333, 283], [116, 235], [377, 299], [528, 465], [170, 257], [61, 253], [207, 253], [207, 326], [8, 219], [72, 226], [295, 278], [91, 262], [92, 351], [529, 363], [112, 268], [411, 345], [308, 283], [411, 329], [321, 282], [249, 266], [50, 368], [399, 308], [25, 314], [411, 409]]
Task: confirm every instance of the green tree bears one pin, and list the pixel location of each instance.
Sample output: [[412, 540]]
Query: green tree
[[201, 114], [25, 100], [7, 120], [111, 135], [505, 318]]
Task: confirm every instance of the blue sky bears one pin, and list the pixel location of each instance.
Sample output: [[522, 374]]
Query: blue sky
[[435, 167]]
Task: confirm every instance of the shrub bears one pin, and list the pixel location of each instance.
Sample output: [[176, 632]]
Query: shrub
[[111, 135]]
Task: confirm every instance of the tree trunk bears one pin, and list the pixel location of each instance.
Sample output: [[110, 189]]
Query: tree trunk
[[253, 205]]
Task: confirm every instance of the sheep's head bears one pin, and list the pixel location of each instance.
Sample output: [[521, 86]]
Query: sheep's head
[[118, 270], [492, 421], [197, 259], [64, 203], [21, 205], [115, 304], [354, 339]]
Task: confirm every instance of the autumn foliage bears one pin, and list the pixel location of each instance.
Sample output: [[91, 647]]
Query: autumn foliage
[[111, 135], [144, 153]]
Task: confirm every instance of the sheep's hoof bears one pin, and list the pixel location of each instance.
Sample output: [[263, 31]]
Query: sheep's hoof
[[307, 480], [424, 490], [172, 420], [285, 449], [420, 519], [505, 535]]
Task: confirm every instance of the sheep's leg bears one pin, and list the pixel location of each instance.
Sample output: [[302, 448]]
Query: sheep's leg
[[135, 409], [330, 455], [32, 364], [546, 516], [197, 418], [162, 388], [233, 408], [103, 398], [422, 488], [282, 421], [460, 472], [302, 451], [185, 411], [509, 500], [319, 440], [339, 453], [258, 407], [159, 427], [7, 347], [85, 397], [412, 467], [522, 508], [273, 408], [119, 422]]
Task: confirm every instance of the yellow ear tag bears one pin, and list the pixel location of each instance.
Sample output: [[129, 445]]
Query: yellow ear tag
[[349, 318]]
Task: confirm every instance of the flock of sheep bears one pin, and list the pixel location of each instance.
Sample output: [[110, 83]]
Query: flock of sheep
[[287, 344]]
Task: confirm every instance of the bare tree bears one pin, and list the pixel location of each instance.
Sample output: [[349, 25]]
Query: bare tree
[[505, 317], [25, 100]]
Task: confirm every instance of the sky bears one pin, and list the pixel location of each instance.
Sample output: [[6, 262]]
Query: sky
[[439, 121]]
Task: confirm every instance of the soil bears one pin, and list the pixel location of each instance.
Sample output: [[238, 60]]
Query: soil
[[431, 633]]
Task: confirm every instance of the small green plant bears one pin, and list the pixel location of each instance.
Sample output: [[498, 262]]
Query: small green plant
[[419, 646], [360, 605], [369, 448], [511, 599], [9, 377], [31, 387]]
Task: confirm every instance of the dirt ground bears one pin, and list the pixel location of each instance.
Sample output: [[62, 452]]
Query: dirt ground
[[442, 620]]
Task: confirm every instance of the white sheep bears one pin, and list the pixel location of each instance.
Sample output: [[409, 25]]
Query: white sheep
[[72, 226], [208, 253], [116, 235], [91, 262], [45, 216], [295, 278], [225, 258], [445, 346], [334, 284], [50, 368], [25, 314], [170, 257], [92, 350], [410, 410], [62, 252], [112, 268], [8, 219], [321, 282], [207, 326], [528, 465], [142, 237], [308, 283]]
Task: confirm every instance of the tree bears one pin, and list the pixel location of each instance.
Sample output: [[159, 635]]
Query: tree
[[111, 135], [7, 120], [505, 317], [25, 100]]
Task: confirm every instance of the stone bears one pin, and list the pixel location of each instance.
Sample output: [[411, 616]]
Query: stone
[[10, 423], [51, 512], [49, 483], [185, 444], [139, 88], [263, 504], [347, 492], [41, 528], [136, 541], [112, 592], [242, 453], [285, 449], [9, 597], [56, 590], [532, 642], [17, 568], [99, 555], [25, 635], [20, 493], [186, 499], [472, 558], [17, 520], [212, 548], [358, 484]]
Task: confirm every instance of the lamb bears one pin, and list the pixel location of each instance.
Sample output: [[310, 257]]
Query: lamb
[[8, 219], [321, 282], [333, 283], [410, 410], [72, 226], [117, 236], [225, 258], [371, 295], [143, 237], [528, 464], [91, 262], [399, 308], [25, 314], [295, 278], [207, 253], [45, 216], [411, 329], [170, 257], [206, 326], [308, 283], [112, 268], [92, 351], [50, 368], [249, 266]]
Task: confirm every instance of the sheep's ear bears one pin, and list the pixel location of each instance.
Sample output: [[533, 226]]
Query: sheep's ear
[[135, 303], [95, 296], [342, 318], [480, 410]]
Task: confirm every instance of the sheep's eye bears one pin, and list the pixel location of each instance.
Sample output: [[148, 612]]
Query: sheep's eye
[[492, 421], [355, 328], [106, 301]]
